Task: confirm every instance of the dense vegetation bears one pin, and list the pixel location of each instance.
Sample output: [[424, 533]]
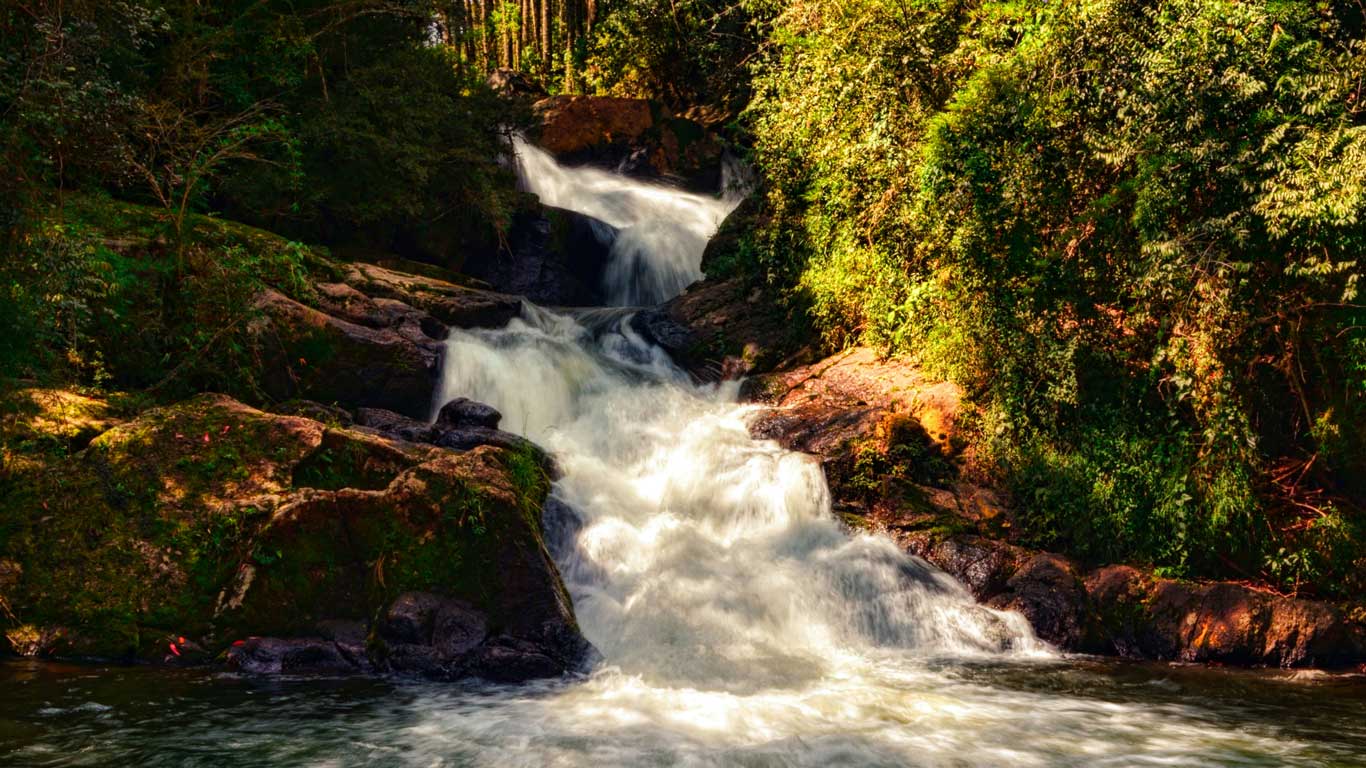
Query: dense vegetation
[[1132, 230], [331, 123]]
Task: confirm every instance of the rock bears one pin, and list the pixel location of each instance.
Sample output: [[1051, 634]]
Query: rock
[[394, 425], [660, 328], [343, 301], [309, 354], [632, 136], [555, 257], [453, 305], [435, 636], [1047, 590], [985, 566], [463, 412], [310, 409], [215, 522], [467, 438], [573, 124], [273, 656], [1148, 617], [509, 660], [717, 330]]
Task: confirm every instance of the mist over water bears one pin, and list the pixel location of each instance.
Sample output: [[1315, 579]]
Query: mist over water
[[660, 231]]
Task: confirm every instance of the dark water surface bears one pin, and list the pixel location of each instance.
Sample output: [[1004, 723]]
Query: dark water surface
[[64, 714]]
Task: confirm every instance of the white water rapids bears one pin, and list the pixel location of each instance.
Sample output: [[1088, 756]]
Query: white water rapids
[[661, 232], [738, 623]]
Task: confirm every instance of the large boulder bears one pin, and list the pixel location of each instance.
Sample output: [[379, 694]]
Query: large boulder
[[211, 527], [720, 329], [633, 136], [387, 362], [554, 257], [454, 305], [1149, 617]]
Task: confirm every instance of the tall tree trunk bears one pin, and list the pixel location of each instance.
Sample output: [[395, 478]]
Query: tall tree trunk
[[547, 50], [470, 53], [485, 34], [567, 18]]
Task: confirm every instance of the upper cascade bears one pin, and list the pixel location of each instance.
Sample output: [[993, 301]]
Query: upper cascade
[[660, 231]]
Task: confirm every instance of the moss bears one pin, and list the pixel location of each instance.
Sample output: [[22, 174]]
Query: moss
[[344, 461], [159, 524]]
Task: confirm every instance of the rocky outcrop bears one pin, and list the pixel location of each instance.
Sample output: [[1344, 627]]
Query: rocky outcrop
[[555, 257], [717, 329], [211, 528], [633, 136], [370, 339], [889, 438], [367, 353], [454, 305], [461, 424]]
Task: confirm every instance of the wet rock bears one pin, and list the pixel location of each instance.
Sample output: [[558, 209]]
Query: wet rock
[[274, 656], [453, 305], [1148, 617], [1047, 590], [312, 355], [660, 328], [509, 660], [394, 425], [467, 438], [555, 257], [985, 566], [719, 329], [463, 412], [431, 635], [632, 136]]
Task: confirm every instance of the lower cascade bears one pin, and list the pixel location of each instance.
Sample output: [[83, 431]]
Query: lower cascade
[[738, 623]]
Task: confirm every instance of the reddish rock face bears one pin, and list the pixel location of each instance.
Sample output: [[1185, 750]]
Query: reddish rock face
[[637, 136], [1149, 617], [572, 124]]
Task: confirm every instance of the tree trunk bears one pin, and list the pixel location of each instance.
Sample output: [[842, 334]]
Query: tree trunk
[[547, 51]]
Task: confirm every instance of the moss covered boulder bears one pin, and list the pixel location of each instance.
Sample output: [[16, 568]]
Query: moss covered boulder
[[305, 352], [202, 529]]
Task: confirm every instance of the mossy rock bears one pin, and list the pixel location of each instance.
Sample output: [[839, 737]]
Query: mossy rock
[[211, 520]]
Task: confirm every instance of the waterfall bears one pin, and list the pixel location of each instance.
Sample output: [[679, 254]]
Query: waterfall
[[698, 555], [660, 231]]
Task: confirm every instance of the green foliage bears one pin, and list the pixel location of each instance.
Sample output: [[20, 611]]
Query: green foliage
[[1131, 230], [95, 273], [685, 53]]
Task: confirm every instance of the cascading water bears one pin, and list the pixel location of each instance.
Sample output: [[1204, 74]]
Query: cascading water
[[659, 232]]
